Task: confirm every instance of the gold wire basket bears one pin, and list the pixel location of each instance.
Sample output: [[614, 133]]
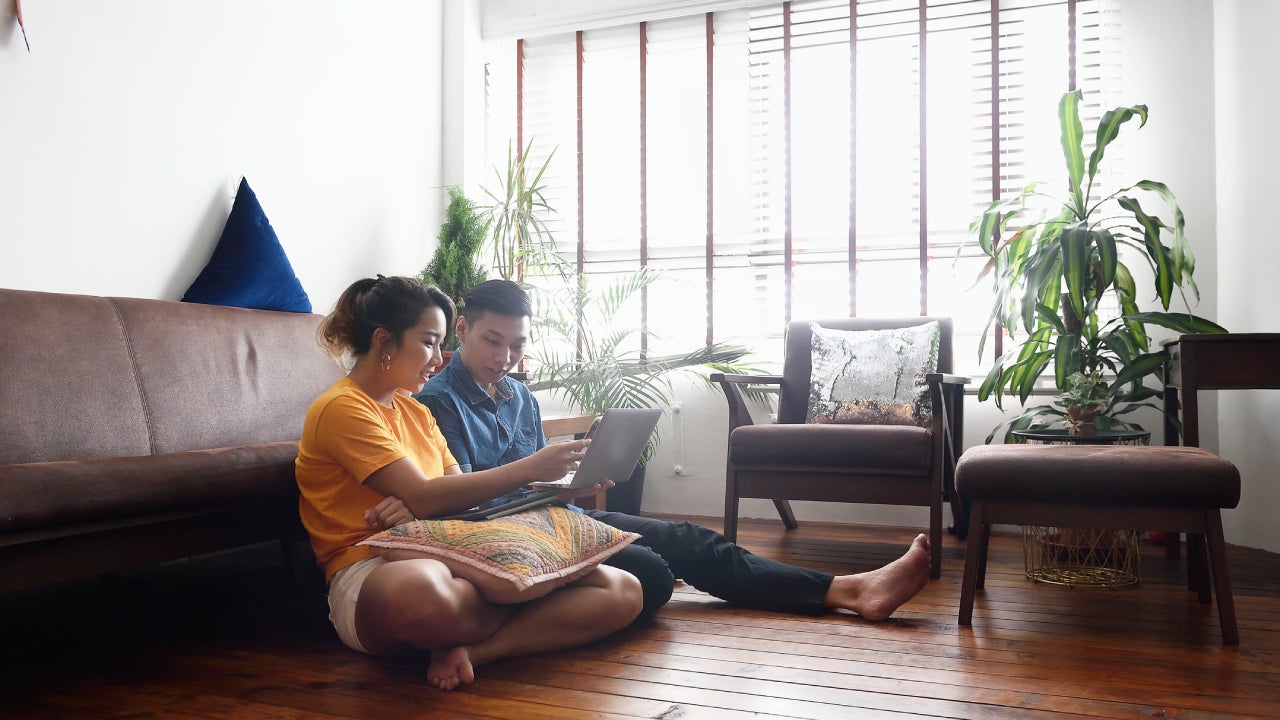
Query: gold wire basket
[[1081, 557]]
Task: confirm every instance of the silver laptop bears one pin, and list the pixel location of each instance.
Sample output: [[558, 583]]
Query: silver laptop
[[617, 441]]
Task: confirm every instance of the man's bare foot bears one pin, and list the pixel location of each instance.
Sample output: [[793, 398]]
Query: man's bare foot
[[449, 668], [875, 595]]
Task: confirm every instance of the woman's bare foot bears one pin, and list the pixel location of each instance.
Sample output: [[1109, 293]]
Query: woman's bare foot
[[450, 668], [875, 595]]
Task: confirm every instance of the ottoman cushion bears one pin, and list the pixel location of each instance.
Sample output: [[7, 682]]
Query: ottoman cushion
[[1111, 475]]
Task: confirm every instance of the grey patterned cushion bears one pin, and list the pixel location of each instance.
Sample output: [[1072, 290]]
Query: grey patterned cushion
[[873, 377]]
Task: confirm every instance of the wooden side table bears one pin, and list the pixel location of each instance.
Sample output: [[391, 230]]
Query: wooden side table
[[1222, 361]]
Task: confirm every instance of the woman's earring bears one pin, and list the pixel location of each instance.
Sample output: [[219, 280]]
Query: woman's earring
[[386, 361]]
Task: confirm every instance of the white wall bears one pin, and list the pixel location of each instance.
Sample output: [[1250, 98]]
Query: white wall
[[124, 129], [1246, 58]]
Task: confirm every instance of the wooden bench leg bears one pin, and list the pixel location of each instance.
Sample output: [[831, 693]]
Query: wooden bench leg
[[982, 558], [1221, 576], [935, 539], [975, 559], [1198, 578]]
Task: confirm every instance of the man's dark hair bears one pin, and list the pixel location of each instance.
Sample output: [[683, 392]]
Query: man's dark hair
[[500, 296]]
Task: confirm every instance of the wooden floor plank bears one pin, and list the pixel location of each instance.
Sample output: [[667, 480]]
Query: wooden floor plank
[[229, 636]]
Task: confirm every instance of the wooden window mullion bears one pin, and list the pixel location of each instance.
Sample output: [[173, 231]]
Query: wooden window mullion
[[710, 263], [923, 153], [644, 181], [853, 158], [787, 249]]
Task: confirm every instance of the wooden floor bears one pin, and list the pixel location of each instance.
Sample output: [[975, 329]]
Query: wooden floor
[[227, 636]]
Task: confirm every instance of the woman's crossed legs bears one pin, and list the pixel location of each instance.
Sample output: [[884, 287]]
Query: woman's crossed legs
[[423, 604]]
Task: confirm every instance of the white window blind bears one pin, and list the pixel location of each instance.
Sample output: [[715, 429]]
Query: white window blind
[[807, 159]]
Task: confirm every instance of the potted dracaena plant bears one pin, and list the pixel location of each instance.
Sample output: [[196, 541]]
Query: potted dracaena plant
[[1055, 258]]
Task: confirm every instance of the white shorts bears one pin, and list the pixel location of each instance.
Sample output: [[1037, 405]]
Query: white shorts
[[344, 591]]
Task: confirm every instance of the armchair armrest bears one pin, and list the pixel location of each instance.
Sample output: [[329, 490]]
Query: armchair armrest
[[747, 379], [739, 415]]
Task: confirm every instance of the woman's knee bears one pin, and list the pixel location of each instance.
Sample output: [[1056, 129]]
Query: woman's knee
[[625, 595], [421, 606]]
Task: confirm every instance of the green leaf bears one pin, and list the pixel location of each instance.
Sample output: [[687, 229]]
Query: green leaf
[[1142, 366], [1183, 323], [991, 383], [1160, 256], [1023, 376], [1075, 261], [1072, 148], [1049, 316], [1109, 128], [1107, 257], [1066, 359], [1184, 261]]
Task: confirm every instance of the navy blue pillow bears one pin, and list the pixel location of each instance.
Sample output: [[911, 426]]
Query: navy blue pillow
[[249, 268]]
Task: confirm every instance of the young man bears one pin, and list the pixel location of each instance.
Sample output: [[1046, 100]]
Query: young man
[[489, 419]]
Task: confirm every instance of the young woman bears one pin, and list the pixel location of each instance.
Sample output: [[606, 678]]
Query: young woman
[[372, 457]]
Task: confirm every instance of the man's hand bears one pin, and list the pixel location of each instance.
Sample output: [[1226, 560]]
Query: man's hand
[[553, 461], [389, 513]]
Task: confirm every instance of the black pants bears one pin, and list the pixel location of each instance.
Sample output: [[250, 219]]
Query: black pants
[[708, 561]]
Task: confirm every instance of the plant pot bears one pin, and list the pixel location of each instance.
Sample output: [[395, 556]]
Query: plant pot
[[625, 497], [1080, 420]]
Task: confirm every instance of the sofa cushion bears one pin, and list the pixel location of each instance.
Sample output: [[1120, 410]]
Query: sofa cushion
[[898, 447], [67, 389], [219, 377], [68, 492], [249, 268]]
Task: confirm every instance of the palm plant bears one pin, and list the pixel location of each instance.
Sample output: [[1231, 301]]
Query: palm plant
[[583, 356], [1054, 259]]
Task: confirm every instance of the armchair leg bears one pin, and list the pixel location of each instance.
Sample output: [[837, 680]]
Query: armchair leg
[[730, 509], [786, 513], [935, 539]]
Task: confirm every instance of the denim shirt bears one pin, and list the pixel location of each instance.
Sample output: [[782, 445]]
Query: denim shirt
[[482, 432]]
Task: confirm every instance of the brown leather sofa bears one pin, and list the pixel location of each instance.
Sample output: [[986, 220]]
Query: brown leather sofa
[[138, 431]]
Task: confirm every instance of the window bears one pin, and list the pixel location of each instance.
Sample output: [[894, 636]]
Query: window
[[806, 159]]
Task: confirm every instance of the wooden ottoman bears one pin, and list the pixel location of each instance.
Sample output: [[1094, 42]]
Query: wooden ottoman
[[1102, 486]]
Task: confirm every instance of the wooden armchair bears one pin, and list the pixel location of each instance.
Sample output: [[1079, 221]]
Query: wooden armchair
[[875, 464]]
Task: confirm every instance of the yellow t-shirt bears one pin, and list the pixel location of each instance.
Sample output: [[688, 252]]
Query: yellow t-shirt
[[346, 438]]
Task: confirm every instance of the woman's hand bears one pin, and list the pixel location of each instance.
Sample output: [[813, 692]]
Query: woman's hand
[[573, 493], [553, 461], [389, 513]]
